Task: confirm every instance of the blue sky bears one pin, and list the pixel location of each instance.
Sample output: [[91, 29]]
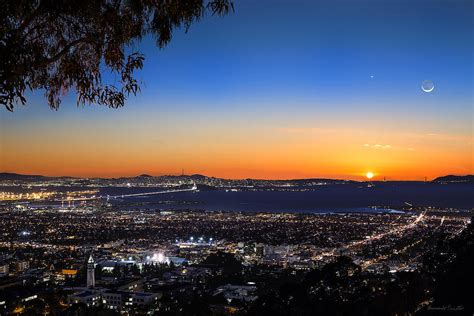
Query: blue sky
[[296, 64]]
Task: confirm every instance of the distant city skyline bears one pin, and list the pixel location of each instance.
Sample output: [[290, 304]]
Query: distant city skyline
[[276, 90], [369, 176]]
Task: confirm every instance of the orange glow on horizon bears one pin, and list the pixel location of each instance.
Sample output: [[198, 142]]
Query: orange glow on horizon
[[235, 151]]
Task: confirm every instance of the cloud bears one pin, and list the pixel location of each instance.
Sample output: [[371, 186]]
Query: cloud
[[378, 146], [386, 146]]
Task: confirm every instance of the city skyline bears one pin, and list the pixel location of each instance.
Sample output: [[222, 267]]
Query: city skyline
[[244, 96]]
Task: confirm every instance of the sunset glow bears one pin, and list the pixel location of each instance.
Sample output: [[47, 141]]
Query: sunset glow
[[313, 107]]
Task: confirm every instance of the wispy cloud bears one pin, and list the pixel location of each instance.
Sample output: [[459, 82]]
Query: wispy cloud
[[386, 147], [378, 146]]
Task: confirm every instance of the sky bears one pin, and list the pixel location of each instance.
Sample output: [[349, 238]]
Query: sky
[[276, 90]]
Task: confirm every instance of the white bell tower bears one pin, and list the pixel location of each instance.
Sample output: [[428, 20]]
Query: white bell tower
[[90, 272]]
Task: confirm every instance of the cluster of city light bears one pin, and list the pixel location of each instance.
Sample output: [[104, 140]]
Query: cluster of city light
[[199, 240], [194, 241], [159, 257], [43, 195], [11, 196]]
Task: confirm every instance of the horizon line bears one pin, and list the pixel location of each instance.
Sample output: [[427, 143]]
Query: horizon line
[[379, 179]]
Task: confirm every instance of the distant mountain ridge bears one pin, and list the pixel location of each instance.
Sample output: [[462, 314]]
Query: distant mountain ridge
[[21, 177], [9, 176], [452, 178]]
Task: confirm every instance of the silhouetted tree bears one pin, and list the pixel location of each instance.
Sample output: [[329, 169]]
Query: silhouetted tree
[[456, 276], [62, 45], [135, 270], [231, 267]]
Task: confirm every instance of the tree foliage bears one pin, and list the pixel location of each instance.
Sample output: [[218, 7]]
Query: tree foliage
[[62, 45]]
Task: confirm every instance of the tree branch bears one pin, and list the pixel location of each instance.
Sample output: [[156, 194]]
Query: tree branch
[[65, 50], [29, 19]]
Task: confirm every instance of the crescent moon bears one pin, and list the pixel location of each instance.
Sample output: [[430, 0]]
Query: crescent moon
[[425, 88]]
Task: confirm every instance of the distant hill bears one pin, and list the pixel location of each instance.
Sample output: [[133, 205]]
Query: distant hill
[[197, 178], [10, 176], [7, 176], [203, 179], [451, 178]]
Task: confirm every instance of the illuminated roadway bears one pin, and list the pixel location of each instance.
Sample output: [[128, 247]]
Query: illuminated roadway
[[194, 188], [356, 243]]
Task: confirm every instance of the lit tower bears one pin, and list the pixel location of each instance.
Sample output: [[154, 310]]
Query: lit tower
[[90, 272]]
